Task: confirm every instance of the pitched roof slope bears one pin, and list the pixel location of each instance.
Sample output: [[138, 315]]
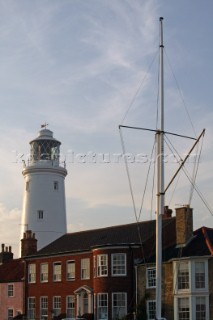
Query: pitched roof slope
[[111, 236], [201, 244], [12, 271]]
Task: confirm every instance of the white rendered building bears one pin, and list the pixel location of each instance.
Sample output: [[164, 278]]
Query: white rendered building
[[44, 210]]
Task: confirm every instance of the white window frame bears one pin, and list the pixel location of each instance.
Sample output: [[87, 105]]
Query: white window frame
[[10, 313], [119, 268], [31, 308], [151, 277], [85, 268], [32, 273], [70, 269], [10, 290], [148, 310], [70, 306], [206, 287], [186, 298], [122, 309], [102, 265], [178, 266], [57, 271], [44, 272], [57, 305], [43, 307], [102, 306], [94, 266]]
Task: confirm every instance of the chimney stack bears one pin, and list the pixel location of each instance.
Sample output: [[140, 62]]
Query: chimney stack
[[167, 213], [5, 254], [28, 244], [184, 225]]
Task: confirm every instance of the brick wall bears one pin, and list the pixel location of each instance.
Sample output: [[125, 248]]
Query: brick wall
[[108, 284]]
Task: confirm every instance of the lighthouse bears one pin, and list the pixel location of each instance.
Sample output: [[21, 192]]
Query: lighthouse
[[44, 209]]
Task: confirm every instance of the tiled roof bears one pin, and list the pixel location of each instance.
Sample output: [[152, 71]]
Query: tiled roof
[[199, 245], [12, 271], [134, 233]]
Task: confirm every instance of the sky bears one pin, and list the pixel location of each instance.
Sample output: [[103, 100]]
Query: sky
[[86, 66]]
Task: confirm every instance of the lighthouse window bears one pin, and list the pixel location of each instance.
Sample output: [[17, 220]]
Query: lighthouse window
[[40, 214], [55, 184], [27, 185]]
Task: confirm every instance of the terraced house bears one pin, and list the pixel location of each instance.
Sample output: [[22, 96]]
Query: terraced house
[[187, 288]]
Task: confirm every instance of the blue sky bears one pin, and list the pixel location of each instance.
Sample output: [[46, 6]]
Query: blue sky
[[77, 65]]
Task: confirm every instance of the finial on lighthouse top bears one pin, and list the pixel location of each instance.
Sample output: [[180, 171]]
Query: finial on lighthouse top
[[44, 125]]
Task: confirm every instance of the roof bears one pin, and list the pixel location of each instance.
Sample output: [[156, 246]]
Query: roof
[[12, 271], [201, 244], [129, 234]]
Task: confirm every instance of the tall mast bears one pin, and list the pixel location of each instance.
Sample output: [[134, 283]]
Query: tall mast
[[160, 183]]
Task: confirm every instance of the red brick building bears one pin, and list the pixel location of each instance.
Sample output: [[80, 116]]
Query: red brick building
[[89, 273]]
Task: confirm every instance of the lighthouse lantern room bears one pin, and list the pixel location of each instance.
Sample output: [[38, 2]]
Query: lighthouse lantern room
[[44, 210]]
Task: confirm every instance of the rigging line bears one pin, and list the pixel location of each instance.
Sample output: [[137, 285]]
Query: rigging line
[[198, 162], [128, 175], [193, 183], [139, 88], [146, 183], [131, 192], [184, 160], [181, 95]]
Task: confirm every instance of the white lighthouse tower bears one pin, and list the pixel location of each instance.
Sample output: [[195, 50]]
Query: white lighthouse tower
[[44, 210]]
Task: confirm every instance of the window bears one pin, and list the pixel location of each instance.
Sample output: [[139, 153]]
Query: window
[[183, 309], [27, 185], [31, 308], [85, 268], [94, 267], [10, 314], [70, 306], [151, 309], [56, 305], [44, 272], [200, 308], [119, 264], [119, 304], [55, 185], [183, 275], [102, 306], [70, 270], [57, 271], [32, 273], [40, 214], [10, 292], [44, 308], [199, 275], [151, 277], [102, 265]]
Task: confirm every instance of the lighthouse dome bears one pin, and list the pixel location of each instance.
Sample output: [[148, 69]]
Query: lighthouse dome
[[45, 148]]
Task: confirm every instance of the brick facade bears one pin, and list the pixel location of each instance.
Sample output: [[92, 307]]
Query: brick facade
[[87, 289]]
